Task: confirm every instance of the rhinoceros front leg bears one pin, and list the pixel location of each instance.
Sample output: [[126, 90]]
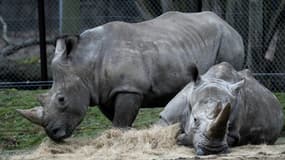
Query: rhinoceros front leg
[[233, 136], [126, 109]]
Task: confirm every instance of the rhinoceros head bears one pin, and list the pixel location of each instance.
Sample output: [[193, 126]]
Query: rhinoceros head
[[65, 104], [211, 102]]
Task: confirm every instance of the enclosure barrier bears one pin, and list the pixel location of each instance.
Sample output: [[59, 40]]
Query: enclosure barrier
[[260, 23]]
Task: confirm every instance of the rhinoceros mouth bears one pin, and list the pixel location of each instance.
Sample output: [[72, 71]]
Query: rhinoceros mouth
[[211, 145], [213, 149], [59, 138], [58, 132]]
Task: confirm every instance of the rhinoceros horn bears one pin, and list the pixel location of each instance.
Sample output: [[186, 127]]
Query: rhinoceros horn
[[43, 98], [34, 115], [218, 127]]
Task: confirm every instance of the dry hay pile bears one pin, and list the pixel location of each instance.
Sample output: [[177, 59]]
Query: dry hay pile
[[153, 143]]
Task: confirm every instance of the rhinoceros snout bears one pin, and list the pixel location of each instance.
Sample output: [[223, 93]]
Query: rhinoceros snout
[[57, 134], [200, 152], [204, 150]]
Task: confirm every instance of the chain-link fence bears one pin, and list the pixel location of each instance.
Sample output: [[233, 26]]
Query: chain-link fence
[[260, 22]]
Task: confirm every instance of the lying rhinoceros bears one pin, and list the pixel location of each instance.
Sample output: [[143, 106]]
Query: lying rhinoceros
[[224, 108], [122, 66]]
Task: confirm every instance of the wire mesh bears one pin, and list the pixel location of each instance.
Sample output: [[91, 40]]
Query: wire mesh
[[260, 23]]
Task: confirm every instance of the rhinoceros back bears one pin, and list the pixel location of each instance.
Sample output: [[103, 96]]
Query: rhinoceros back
[[259, 113], [257, 116], [263, 115], [153, 58]]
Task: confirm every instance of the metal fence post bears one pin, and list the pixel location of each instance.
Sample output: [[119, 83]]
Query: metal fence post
[[42, 36]]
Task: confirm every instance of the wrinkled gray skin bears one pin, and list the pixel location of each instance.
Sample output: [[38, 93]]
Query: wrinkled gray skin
[[122, 66], [224, 108]]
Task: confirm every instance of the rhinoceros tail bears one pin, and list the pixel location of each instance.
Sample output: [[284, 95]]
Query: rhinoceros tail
[[193, 70]]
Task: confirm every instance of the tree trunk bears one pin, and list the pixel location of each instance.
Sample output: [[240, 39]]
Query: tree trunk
[[166, 5], [217, 6], [275, 24], [144, 12], [255, 34], [188, 5], [70, 16], [237, 16]]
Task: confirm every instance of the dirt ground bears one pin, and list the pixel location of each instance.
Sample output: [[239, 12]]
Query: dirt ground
[[146, 144]]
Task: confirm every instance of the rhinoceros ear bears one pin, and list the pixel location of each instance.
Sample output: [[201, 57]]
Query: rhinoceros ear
[[237, 86], [195, 73], [60, 47], [71, 42], [65, 44]]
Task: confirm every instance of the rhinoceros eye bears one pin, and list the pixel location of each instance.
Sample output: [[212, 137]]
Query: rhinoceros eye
[[62, 103], [196, 122], [61, 100]]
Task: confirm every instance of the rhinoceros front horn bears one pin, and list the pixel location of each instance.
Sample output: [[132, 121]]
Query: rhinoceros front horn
[[218, 127], [34, 115]]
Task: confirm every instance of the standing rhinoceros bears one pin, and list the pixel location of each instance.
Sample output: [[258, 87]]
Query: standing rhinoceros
[[224, 108], [122, 66]]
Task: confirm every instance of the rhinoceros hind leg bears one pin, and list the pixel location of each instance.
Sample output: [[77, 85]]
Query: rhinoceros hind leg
[[126, 109], [233, 138]]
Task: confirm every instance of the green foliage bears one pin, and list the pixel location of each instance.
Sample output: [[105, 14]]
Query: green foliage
[[281, 97], [18, 133], [29, 60]]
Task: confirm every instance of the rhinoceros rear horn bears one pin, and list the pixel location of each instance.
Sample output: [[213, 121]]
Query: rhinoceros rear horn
[[35, 115], [218, 127], [217, 110], [42, 98]]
